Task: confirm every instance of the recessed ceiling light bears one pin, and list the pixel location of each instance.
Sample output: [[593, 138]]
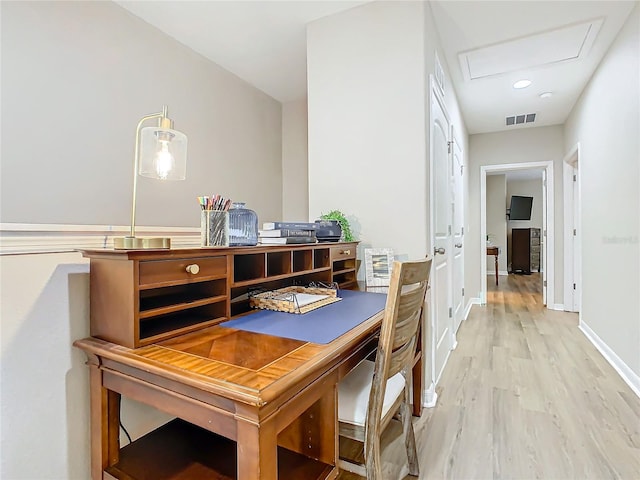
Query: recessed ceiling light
[[522, 84], [546, 94]]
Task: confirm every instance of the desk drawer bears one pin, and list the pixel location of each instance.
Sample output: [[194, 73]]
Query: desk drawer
[[175, 271], [343, 252]]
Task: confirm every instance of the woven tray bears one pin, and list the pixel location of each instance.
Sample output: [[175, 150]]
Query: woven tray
[[293, 299]]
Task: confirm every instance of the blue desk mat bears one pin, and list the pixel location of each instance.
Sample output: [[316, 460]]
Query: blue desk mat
[[322, 325]]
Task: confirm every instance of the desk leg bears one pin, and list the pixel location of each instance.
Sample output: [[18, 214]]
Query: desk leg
[[313, 433], [105, 420], [257, 451], [496, 256]]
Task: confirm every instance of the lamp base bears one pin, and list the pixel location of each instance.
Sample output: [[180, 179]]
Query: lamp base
[[140, 243]]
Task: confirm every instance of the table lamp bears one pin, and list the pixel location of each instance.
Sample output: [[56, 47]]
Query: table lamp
[[160, 152]]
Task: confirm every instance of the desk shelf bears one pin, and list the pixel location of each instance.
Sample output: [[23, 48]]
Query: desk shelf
[[181, 451], [176, 323]]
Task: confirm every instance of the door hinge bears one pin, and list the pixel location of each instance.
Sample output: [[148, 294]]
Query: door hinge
[[574, 232], [449, 147], [574, 286], [449, 229], [450, 312], [574, 178], [544, 182], [544, 232], [463, 291], [461, 170], [462, 231], [544, 283]]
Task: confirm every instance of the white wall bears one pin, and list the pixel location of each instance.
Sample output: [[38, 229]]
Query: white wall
[[367, 146], [295, 171], [368, 100], [516, 146], [525, 188], [496, 221], [76, 79], [606, 122]]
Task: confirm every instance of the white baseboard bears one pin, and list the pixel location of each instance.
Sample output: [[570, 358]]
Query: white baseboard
[[628, 375], [471, 303], [430, 397], [556, 306]]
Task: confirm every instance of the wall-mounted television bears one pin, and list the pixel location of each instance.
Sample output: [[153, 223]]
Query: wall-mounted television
[[520, 208]]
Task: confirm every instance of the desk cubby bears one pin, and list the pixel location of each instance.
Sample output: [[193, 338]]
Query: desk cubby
[[302, 260], [278, 263], [321, 258], [249, 266]]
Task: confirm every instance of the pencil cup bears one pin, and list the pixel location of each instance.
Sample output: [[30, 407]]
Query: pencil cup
[[214, 228]]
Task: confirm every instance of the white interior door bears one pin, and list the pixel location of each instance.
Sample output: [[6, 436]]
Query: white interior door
[[458, 233], [543, 238], [577, 287], [442, 255]]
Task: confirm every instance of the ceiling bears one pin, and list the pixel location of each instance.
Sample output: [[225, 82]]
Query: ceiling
[[487, 100], [262, 42], [488, 45]]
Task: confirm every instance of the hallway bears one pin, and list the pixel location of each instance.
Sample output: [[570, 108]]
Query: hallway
[[524, 395]]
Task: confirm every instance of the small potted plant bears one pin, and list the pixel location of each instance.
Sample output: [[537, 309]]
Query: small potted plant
[[338, 216]]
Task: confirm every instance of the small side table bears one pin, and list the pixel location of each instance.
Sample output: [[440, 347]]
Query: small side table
[[495, 251]]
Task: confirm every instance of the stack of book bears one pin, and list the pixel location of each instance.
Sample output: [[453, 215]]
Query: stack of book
[[286, 233]]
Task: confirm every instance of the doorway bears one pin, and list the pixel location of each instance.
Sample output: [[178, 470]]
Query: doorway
[[547, 230]]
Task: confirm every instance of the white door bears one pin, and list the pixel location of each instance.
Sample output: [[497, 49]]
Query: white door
[[543, 238], [575, 307], [441, 218], [458, 233]]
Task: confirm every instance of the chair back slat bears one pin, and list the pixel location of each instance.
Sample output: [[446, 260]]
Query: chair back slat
[[408, 318], [401, 357]]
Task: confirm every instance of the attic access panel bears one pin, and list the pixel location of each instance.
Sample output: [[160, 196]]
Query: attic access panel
[[566, 43]]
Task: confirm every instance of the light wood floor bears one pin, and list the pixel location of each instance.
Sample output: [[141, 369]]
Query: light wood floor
[[524, 395]]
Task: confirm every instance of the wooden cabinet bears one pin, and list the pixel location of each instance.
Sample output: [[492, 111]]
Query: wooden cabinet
[[139, 297], [525, 250]]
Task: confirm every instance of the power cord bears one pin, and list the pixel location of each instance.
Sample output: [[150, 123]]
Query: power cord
[[125, 432]]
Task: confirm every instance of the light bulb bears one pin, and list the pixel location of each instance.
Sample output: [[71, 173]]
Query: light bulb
[[522, 84], [164, 161]]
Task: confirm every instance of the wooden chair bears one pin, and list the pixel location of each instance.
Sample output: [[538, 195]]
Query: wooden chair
[[373, 392]]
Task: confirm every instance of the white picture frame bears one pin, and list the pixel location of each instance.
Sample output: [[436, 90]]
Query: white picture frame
[[378, 264]]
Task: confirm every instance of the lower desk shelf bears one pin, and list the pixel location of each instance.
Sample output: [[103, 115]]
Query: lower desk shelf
[[179, 450]]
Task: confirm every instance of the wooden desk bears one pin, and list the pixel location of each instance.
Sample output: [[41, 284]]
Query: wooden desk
[[252, 406], [274, 397], [495, 251]]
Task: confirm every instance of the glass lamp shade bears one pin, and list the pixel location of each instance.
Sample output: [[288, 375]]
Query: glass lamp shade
[[163, 153]]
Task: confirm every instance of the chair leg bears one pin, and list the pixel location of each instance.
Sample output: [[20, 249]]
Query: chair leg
[[409, 439], [372, 460]]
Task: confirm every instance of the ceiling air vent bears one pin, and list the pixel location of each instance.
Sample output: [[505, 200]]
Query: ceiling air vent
[[520, 119]]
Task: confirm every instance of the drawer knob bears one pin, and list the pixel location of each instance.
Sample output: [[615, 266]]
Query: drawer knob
[[193, 268], [346, 252]]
